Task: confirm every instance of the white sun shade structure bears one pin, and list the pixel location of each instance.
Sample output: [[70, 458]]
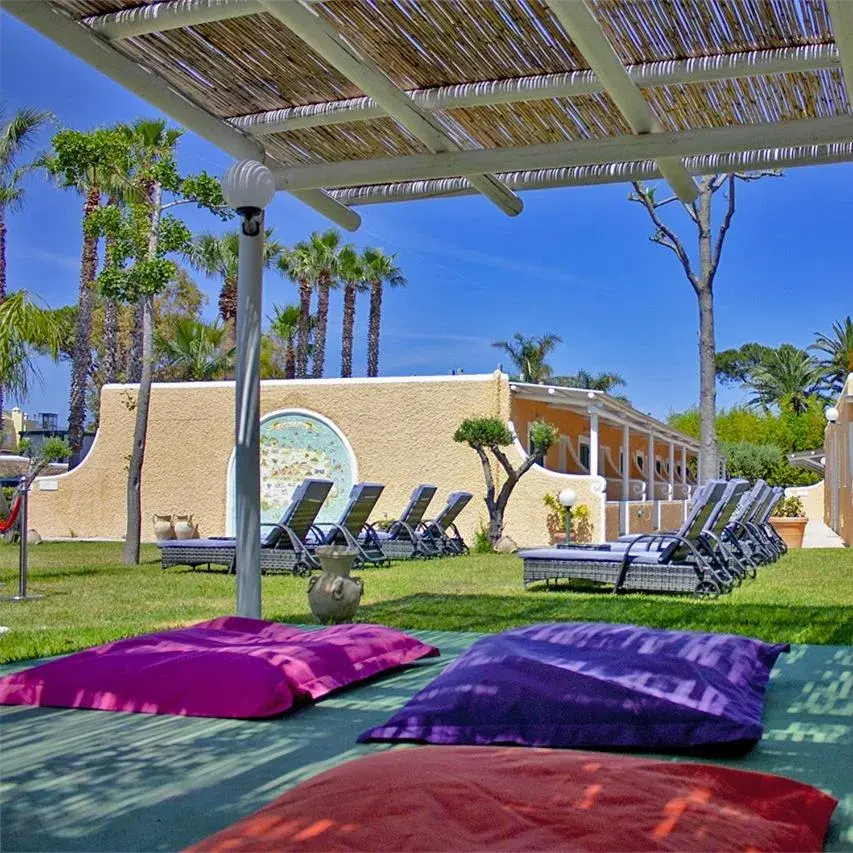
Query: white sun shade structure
[[351, 103]]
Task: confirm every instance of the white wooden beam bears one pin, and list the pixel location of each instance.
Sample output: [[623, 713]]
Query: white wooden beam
[[168, 15], [570, 84], [584, 31], [62, 29], [841, 15], [586, 152], [612, 173], [328, 44]]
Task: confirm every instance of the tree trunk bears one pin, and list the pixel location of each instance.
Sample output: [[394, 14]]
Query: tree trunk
[[707, 343], [347, 330], [304, 329], [228, 312], [289, 361], [496, 524], [373, 322], [2, 255], [110, 340], [143, 400], [320, 330], [81, 363], [134, 367]]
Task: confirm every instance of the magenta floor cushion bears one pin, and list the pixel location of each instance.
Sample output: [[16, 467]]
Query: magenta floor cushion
[[227, 667], [594, 686]]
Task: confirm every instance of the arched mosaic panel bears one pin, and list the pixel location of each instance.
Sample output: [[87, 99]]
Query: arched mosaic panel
[[295, 445]]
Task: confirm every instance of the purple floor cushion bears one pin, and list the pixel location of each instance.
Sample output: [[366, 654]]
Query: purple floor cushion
[[228, 667], [593, 685]]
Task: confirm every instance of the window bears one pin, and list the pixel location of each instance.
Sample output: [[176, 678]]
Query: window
[[583, 452], [641, 460], [621, 461], [658, 465]]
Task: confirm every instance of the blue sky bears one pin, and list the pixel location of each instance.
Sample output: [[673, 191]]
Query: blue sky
[[577, 262]]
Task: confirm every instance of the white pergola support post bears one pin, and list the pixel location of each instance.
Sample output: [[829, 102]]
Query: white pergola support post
[[593, 441], [247, 453], [62, 29], [841, 15], [650, 481], [616, 154], [671, 478], [588, 38], [684, 481], [327, 43], [624, 521]]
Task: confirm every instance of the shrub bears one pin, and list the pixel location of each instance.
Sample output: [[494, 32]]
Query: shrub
[[790, 507], [482, 544], [55, 450], [555, 520]]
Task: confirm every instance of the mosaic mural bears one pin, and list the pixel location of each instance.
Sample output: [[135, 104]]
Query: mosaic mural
[[295, 446]]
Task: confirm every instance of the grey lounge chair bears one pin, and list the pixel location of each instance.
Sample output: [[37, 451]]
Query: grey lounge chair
[[352, 529], [442, 530], [403, 540], [286, 547], [677, 565]]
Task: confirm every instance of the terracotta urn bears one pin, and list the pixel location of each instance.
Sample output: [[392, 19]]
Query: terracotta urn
[[163, 527], [184, 527], [790, 529], [333, 595]]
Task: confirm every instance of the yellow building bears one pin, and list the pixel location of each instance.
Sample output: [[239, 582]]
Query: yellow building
[[396, 431]]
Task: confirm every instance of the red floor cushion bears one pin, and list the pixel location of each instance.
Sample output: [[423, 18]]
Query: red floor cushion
[[504, 798]]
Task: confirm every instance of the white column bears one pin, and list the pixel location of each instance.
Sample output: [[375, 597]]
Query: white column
[[248, 187], [561, 455], [650, 482], [684, 481], [626, 480], [671, 487], [593, 442]]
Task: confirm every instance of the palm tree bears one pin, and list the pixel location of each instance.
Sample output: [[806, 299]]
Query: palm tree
[[605, 382], [528, 355], [15, 136], [379, 269], [324, 247], [788, 376], [89, 163], [218, 256], [838, 349], [299, 265], [195, 351], [285, 326], [26, 331], [352, 273]]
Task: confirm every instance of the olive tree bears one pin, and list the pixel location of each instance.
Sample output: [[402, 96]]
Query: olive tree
[[492, 435]]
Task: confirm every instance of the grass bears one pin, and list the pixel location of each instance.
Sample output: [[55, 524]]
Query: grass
[[90, 597]]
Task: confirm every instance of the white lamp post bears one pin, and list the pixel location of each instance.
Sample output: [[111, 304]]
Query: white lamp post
[[248, 187], [568, 498]]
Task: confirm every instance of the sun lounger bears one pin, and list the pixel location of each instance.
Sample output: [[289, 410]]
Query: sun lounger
[[678, 564], [442, 529], [352, 529], [402, 539], [286, 547]]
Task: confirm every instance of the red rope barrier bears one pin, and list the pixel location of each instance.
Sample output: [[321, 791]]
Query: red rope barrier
[[13, 515]]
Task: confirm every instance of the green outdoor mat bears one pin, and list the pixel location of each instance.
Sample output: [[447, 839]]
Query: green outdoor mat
[[95, 780]]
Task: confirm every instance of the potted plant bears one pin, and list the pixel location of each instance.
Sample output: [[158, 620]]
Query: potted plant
[[789, 521], [555, 521]]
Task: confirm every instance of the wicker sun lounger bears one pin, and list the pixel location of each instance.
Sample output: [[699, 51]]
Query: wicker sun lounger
[[286, 547], [442, 529], [402, 540], [352, 529], [678, 564]]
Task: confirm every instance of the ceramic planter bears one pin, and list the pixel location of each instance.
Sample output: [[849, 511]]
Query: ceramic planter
[[184, 527], [333, 595], [790, 529], [163, 529]]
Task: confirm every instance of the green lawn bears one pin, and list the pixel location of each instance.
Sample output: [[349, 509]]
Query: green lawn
[[90, 597]]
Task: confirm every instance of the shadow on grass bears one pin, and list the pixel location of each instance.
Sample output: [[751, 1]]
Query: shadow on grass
[[490, 613]]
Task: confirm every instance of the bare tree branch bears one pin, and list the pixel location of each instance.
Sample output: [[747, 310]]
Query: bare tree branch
[[507, 466], [724, 227], [665, 235], [487, 473]]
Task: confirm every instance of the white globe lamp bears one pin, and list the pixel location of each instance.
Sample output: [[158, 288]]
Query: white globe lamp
[[568, 498], [831, 414], [248, 186]]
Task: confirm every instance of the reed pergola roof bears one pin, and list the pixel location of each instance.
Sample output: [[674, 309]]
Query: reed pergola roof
[[360, 101]]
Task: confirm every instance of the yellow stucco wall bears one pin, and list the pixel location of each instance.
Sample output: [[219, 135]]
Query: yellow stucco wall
[[400, 430]]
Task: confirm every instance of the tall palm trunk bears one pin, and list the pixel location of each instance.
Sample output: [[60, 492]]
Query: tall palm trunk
[[320, 329], [289, 360], [2, 297], [143, 401], [134, 364], [707, 346], [228, 312], [347, 330], [304, 328], [81, 363], [110, 320], [373, 321]]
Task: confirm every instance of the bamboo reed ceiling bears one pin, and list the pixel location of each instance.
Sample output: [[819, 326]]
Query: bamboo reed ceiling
[[252, 64]]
